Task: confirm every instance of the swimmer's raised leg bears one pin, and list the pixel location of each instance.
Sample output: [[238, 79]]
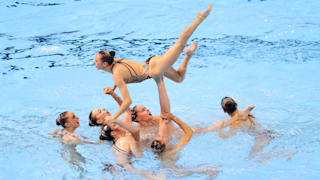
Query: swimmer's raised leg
[[157, 67], [179, 74]]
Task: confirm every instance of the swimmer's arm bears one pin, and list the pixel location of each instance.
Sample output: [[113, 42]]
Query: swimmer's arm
[[116, 98], [84, 137], [230, 121], [135, 149], [226, 134], [127, 113], [244, 113], [125, 94], [212, 127], [187, 134], [131, 128], [89, 142], [164, 125]]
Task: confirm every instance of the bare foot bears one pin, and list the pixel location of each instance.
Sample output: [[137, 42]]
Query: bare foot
[[203, 14], [191, 49]]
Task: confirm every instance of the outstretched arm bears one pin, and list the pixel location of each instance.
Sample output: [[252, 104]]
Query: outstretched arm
[[206, 129], [110, 91], [89, 142], [125, 94], [127, 113], [187, 134], [243, 114]]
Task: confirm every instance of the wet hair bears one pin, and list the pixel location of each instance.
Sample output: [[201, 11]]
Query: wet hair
[[107, 56], [229, 106], [92, 120], [134, 114], [157, 146], [107, 134], [62, 119]]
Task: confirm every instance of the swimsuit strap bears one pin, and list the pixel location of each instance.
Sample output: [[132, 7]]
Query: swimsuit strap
[[119, 150], [148, 60], [128, 66]]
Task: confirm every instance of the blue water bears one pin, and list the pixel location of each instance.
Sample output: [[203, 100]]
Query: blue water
[[265, 53]]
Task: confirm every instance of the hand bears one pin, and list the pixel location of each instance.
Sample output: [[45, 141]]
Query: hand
[[165, 117], [243, 114], [108, 90]]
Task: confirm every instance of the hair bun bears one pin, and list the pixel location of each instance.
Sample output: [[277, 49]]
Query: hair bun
[[112, 53], [58, 121]]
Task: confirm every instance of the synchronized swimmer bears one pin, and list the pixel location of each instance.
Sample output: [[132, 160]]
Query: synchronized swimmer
[[155, 132]]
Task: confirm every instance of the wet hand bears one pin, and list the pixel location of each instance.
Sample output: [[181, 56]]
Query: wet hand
[[165, 117], [108, 90], [243, 114]]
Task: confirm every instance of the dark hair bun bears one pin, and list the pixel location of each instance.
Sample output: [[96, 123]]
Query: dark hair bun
[[58, 121], [112, 53]]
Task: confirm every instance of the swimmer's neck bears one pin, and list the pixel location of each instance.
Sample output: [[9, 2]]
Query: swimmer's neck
[[234, 113], [110, 67], [151, 122], [70, 130]]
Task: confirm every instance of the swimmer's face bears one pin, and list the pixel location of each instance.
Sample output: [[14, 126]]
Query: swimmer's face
[[100, 114], [72, 120], [143, 114], [99, 63]]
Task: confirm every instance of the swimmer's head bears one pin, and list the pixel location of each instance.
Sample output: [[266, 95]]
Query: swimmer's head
[[104, 59], [96, 116], [158, 145], [141, 114], [68, 119], [228, 105], [106, 134]]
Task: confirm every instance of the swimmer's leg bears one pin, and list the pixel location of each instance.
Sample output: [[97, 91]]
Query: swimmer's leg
[[260, 141], [170, 57], [179, 74]]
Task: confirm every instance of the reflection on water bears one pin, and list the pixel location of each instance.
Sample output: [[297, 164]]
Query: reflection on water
[[74, 158]]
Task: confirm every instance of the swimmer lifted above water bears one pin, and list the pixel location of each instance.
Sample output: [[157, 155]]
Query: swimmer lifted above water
[[127, 71]]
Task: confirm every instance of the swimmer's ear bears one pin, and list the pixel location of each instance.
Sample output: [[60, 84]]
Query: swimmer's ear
[[99, 121], [112, 53], [112, 133]]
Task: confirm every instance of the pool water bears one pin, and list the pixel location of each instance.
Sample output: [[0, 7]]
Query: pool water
[[265, 53]]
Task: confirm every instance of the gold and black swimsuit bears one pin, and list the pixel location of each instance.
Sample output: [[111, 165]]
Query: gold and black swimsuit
[[135, 77]]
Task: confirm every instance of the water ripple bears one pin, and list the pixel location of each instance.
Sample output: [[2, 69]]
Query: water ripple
[[72, 45]]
